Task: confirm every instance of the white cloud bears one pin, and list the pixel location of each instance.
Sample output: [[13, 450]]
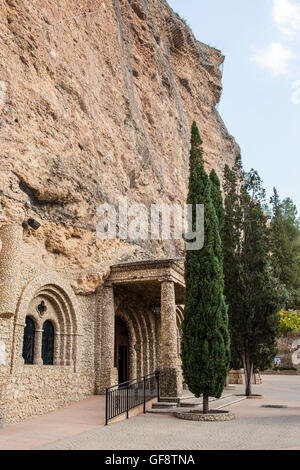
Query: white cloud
[[275, 58], [286, 16]]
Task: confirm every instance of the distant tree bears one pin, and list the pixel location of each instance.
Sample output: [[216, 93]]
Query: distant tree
[[285, 248], [251, 290], [262, 294], [231, 241], [205, 352]]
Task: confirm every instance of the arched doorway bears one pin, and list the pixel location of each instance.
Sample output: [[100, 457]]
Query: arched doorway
[[121, 350]]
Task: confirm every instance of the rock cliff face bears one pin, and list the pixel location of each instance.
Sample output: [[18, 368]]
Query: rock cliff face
[[96, 101]]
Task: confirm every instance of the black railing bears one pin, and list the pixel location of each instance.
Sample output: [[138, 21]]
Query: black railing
[[124, 397]]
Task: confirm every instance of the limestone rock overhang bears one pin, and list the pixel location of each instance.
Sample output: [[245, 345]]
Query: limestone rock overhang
[[145, 277]]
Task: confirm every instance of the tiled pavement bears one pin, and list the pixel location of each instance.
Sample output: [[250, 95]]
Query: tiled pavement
[[63, 423]]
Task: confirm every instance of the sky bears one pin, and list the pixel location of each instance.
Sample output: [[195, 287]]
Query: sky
[[260, 104]]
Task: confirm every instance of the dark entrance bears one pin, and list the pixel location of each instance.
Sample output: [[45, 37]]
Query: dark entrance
[[121, 350], [28, 341], [48, 343]]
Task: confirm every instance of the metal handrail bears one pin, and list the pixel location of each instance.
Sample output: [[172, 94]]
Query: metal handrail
[[129, 382], [125, 396]]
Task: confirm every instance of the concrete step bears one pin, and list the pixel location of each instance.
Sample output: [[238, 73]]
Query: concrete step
[[164, 405], [193, 400], [188, 405], [219, 404], [216, 404], [162, 411], [223, 397], [169, 399]]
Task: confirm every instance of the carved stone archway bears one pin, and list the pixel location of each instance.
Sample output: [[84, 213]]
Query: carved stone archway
[[61, 309]]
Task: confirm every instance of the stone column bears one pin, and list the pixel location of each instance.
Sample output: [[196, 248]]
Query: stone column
[[57, 349], [132, 358], [158, 341], [38, 340], [5, 340], [69, 347], [106, 373], [3, 401], [171, 385], [10, 256], [11, 240], [76, 355]]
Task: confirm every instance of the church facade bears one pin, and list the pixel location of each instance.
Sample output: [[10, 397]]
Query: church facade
[[57, 347]]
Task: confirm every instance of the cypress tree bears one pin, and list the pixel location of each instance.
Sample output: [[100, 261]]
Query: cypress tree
[[231, 242], [217, 198], [205, 357], [217, 201], [251, 289], [261, 293]]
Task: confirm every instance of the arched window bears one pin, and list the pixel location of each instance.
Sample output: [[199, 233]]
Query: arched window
[[48, 343], [28, 341]]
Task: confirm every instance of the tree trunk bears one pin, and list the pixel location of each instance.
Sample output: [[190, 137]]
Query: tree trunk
[[248, 370], [205, 404]]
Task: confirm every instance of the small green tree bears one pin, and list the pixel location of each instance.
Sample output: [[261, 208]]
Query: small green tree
[[205, 352], [289, 322]]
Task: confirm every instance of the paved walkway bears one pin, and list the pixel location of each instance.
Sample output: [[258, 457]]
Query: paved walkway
[[83, 416], [256, 427]]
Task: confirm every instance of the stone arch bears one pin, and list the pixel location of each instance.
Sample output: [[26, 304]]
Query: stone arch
[[65, 315], [144, 339], [152, 326], [146, 349], [148, 322], [179, 320], [129, 305], [132, 341], [124, 309]]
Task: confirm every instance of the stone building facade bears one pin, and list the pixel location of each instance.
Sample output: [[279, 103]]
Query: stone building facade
[[128, 327], [93, 107]]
